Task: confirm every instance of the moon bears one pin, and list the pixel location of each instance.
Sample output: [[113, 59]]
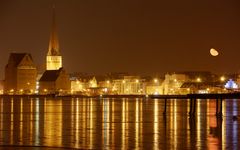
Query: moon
[[213, 52]]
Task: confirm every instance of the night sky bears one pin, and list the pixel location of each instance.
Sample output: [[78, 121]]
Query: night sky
[[136, 36]]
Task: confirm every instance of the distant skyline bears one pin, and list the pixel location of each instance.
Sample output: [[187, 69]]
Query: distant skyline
[[144, 37]]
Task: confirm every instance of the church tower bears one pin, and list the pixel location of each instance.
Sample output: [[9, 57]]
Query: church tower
[[54, 58]]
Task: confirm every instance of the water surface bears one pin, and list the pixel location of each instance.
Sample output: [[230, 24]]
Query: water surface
[[88, 123]]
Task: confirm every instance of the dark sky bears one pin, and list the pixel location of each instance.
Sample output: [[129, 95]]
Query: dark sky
[[137, 36]]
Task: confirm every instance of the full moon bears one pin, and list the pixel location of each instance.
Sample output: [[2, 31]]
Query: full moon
[[213, 52]]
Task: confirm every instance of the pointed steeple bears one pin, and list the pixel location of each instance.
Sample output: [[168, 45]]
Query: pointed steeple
[[54, 58], [53, 49]]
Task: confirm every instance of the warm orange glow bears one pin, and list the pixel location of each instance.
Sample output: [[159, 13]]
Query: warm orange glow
[[52, 128], [222, 78], [199, 80]]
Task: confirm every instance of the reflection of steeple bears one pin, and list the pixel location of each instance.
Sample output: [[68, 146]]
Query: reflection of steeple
[[53, 49]]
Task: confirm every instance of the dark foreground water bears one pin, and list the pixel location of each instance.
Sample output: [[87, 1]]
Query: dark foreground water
[[116, 124]]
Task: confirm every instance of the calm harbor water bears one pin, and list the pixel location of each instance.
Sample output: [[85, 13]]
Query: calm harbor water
[[87, 123]]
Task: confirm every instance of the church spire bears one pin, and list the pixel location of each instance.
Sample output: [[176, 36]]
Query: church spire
[[53, 49], [53, 59]]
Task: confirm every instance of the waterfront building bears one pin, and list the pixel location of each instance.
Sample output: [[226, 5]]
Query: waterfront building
[[129, 85], [85, 84], [106, 83], [20, 74], [77, 86], [173, 82], [237, 80], [154, 87], [106, 86], [1, 86], [92, 83], [55, 82]]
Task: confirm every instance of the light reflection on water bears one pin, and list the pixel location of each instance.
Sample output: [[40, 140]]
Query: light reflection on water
[[116, 124]]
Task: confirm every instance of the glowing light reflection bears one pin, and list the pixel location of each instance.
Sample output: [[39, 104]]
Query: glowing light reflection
[[235, 123], [175, 123], [124, 124], [223, 123], [91, 124], [21, 122], [106, 119], [137, 123], [37, 121], [1, 117], [77, 123], [112, 124], [199, 111], [156, 137], [11, 121], [52, 129]]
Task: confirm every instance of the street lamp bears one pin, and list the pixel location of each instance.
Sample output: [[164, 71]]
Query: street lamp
[[199, 80], [222, 78]]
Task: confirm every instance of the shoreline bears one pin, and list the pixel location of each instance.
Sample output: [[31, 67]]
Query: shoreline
[[187, 96]]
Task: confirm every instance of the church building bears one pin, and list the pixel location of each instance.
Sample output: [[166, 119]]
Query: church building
[[55, 79]]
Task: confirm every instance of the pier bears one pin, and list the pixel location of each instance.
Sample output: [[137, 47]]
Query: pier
[[193, 98]]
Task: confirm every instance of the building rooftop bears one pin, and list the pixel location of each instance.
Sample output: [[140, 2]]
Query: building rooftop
[[50, 75], [16, 58]]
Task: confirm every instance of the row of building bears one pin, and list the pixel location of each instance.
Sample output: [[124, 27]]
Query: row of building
[[171, 83], [22, 77]]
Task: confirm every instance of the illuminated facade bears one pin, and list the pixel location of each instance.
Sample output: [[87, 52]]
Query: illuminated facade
[[173, 82], [20, 74], [78, 86], [177, 83], [231, 84], [129, 85], [54, 58], [93, 83], [54, 82], [1, 86], [154, 87]]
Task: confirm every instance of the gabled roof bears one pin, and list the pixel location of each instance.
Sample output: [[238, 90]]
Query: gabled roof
[[50, 75], [16, 58]]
